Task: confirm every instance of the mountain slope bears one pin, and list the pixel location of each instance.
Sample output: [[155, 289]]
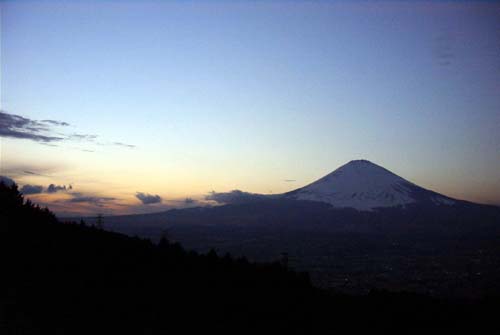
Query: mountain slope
[[363, 185]]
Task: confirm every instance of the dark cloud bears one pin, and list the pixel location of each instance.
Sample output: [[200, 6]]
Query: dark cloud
[[6, 180], [31, 189], [37, 189], [148, 199], [234, 197], [16, 126], [56, 123], [85, 200], [56, 188], [19, 127], [16, 121], [79, 198]]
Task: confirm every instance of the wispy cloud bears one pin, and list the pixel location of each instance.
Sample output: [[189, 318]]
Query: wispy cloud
[[444, 49], [56, 123], [82, 137], [120, 144], [33, 173]]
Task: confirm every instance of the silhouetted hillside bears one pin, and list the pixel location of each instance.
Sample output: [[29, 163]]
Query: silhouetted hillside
[[69, 278]]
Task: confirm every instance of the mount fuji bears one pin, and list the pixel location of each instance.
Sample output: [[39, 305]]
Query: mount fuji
[[363, 185]]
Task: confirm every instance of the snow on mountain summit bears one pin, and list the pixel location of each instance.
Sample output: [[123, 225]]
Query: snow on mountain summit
[[363, 185]]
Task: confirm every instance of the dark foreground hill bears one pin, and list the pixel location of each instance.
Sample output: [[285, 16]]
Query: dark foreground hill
[[74, 279]]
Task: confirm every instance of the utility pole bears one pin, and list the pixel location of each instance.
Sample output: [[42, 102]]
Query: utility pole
[[99, 221]]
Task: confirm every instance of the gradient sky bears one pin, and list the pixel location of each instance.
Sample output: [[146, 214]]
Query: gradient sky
[[249, 95]]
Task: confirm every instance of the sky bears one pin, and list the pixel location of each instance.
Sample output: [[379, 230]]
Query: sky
[[139, 106]]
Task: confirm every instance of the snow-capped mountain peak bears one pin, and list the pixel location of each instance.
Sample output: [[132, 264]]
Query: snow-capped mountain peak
[[363, 185]]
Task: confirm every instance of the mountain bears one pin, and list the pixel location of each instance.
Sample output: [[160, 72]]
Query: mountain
[[363, 185]]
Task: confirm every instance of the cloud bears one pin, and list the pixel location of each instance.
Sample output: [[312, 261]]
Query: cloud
[[82, 137], [56, 123], [234, 197], [79, 198], [444, 49], [31, 173], [120, 144], [78, 201], [289, 180], [6, 180], [148, 199], [16, 126], [56, 188], [32, 189]]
